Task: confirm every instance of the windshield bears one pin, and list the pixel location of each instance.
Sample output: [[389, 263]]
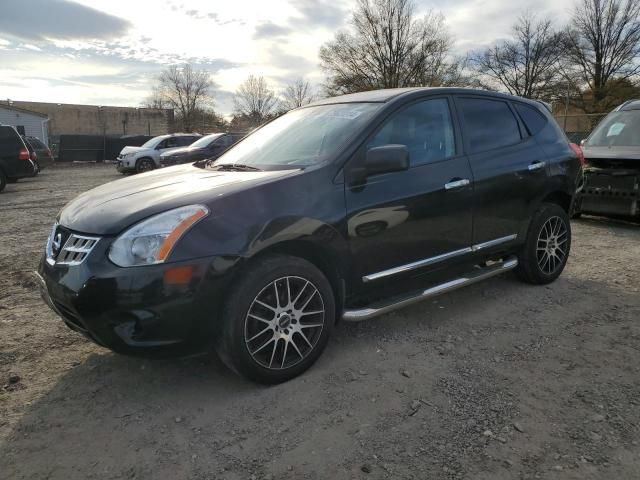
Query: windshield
[[205, 141], [153, 142], [301, 138], [618, 129]]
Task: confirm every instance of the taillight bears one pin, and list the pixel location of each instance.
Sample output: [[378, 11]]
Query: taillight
[[23, 154], [578, 151]]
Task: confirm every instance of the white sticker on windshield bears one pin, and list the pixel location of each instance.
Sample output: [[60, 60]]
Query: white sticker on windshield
[[615, 129]]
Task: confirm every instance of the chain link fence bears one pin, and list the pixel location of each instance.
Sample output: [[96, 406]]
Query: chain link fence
[[578, 126]]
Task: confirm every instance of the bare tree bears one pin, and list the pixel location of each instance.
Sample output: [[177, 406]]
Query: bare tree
[[388, 48], [526, 64], [603, 42], [297, 94], [255, 101], [156, 100], [186, 90]]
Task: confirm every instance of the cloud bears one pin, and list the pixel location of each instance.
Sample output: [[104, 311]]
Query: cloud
[[295, 63], [320, 13], [269, 30], [37, 20]]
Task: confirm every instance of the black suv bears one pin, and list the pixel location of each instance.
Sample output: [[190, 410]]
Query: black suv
[[15, 158], [344, 209], [40, 154]]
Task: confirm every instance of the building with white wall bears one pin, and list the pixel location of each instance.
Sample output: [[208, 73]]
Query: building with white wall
[[29, 123]]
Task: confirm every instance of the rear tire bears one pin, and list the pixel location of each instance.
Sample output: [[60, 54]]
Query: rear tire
[[3, 180], [544, 255], [277, 319], [12, 180], [145, 165]]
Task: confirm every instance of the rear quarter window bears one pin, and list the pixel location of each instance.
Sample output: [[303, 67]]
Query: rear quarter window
[[532, 118], [9, 139], [488, 123]]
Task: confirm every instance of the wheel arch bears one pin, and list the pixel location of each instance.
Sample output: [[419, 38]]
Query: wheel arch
[[559, 197], [325, 258]]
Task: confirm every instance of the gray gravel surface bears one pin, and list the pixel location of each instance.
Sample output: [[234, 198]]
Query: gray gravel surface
[[500, 380]]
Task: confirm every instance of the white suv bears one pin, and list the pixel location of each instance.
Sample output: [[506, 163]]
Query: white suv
[[147, 157]]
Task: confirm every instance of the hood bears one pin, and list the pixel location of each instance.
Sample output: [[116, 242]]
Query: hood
[[610, 153], [132, 149], [112, 207], [176, 152]]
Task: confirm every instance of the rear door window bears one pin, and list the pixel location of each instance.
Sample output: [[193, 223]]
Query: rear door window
[[488, 123]]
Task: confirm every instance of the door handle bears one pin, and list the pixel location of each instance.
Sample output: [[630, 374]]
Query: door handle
[[536, 166], [456, 184]]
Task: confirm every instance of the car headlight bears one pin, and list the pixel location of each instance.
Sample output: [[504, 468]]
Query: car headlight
[[151, 241]]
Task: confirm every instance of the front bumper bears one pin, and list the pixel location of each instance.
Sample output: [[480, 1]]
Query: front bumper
[[139, 310], [126, 165]]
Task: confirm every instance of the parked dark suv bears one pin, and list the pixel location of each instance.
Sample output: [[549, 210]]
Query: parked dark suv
[[344, 209], [15, 158], [208, 147], [40, 154]]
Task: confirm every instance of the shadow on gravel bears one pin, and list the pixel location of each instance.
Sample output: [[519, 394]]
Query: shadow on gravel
[[118, 417], [608, 222]]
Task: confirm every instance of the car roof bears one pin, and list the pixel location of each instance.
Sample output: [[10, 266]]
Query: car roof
[[633, 104], [169, 135], [390, 94]]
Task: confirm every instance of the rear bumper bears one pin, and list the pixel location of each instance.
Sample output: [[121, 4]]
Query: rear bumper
[[611, 192], [22, 169]]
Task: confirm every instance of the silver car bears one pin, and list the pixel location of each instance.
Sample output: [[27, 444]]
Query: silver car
[[147, 157]]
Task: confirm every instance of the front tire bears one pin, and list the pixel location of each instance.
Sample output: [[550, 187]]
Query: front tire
[[277, 320], [545, 253], [3, 180], [145, 165]]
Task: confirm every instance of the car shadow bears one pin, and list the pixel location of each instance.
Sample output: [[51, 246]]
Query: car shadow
[[606, 222], [112, 416]]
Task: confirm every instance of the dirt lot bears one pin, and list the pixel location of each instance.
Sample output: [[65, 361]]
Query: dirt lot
[[500, 380]]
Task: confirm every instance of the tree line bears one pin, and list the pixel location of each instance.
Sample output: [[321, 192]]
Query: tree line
[[591, 62]]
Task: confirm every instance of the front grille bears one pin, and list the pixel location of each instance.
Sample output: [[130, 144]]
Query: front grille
[[76, 249], [66, 248]]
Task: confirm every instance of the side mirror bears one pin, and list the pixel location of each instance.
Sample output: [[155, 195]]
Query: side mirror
[[387, 158]]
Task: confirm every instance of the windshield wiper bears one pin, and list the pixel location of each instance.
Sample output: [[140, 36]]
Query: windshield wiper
[[235, 167]]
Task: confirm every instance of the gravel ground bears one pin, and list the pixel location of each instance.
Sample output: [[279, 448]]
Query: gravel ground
[[499, 380]]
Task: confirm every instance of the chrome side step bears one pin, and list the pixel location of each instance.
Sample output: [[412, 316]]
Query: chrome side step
[[481, 273]]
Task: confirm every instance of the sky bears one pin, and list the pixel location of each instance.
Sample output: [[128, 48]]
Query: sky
[[108, 52]]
